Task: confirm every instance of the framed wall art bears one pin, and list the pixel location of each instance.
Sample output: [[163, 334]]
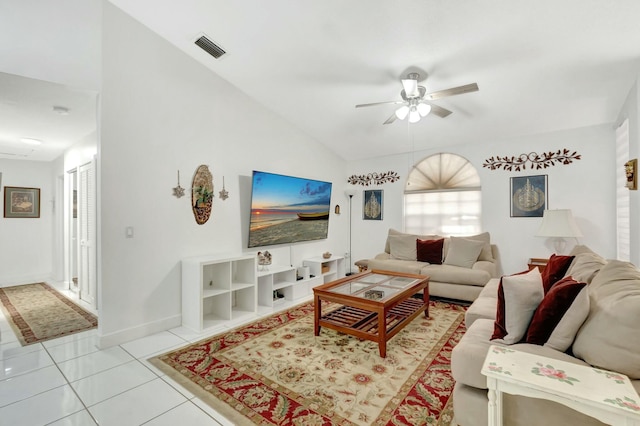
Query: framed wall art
[[373, 207], [631, 172], [21, 202], [529, 197]]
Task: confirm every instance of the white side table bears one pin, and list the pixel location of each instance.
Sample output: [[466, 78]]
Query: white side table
[[604, 395]]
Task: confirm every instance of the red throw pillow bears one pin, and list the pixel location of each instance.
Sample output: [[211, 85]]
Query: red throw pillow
[[555, 270], [560, 315], [430, 251]]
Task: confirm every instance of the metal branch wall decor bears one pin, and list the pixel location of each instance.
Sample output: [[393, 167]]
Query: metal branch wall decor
[[373, 178], [538, 161]]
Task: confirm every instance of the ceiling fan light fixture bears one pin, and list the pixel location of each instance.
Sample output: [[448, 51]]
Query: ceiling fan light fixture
[[423, 109], [402, 112], [414, 115], [411, 88]]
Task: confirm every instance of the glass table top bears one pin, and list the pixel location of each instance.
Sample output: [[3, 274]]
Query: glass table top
[[374, 286]]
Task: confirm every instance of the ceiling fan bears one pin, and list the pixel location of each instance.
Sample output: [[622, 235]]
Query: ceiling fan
[[415, 99]]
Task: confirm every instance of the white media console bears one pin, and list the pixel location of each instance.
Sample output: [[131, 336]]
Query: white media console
[[217, 290]]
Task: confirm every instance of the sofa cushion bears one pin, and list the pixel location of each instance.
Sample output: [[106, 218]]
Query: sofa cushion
[[518, 297], [455, 274], [387, 248], [554, 271], [469, 354], [403, 266], [403, 247], [430, 251], [463, 252], [585, 266], [560, 315], [485, 305], [608, 338]]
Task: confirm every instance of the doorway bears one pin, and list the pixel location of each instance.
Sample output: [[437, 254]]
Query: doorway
[[82, 258]]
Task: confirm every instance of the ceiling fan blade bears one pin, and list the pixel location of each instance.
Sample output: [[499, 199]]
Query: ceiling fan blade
[[391, 119], [439, 111], [473, 87], [410, 88], [379, 103]]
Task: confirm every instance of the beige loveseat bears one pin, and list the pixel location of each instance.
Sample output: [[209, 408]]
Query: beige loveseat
[[466, 263], [609, 339]]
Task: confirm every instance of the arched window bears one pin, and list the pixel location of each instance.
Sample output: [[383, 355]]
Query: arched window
[[442, 196]]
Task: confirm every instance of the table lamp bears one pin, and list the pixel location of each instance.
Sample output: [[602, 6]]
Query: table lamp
[[558, 224]]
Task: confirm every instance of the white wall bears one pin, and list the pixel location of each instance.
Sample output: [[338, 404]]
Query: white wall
[[586, 187], [26, 244], [631, 111], [163, 112]]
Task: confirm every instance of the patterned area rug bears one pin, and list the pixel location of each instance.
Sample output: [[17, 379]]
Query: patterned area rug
[[275, 371], [36, 312]]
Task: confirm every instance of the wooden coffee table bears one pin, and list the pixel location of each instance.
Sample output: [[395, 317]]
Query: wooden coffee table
[[376, 305]]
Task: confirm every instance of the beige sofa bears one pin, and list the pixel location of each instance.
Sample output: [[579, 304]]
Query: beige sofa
[[607, 339], [468, 263]]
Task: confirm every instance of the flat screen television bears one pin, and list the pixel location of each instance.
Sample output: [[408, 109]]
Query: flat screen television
[[288, 209]]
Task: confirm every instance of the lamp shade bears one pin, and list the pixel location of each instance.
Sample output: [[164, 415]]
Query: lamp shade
[[402, 112], [423, 109], [414, 115], [558, 223]]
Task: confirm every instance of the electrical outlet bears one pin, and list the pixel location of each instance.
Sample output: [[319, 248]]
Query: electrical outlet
[[346, 254]]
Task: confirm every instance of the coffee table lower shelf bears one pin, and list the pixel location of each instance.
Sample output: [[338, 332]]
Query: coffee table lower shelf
[[365, 325]]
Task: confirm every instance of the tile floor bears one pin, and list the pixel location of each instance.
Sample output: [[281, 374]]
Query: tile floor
[[69, 381]]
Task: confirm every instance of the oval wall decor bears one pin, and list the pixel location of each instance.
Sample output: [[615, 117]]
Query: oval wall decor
[[202, 194]]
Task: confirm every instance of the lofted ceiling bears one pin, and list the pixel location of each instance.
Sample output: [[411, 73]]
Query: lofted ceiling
[[540, 66]]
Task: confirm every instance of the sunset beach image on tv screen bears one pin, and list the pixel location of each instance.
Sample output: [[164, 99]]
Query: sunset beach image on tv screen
[[287, 209]]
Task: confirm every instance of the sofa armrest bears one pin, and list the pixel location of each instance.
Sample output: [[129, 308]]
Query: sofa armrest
[[383, 256], [485, 265]]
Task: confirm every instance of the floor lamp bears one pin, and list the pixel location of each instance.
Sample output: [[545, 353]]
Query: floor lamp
[[350, 193]]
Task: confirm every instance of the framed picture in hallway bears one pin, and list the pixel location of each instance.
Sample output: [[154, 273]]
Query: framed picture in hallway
[[372, 208], [529, 197], [21, 202]]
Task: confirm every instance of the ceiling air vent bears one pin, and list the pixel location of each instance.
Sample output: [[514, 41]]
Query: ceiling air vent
[[210, 47]]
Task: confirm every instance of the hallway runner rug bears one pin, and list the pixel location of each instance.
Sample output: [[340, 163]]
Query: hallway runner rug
[[276, 372], [37, 312]]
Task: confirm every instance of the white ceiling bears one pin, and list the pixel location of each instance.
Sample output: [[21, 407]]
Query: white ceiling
[[541, 66]]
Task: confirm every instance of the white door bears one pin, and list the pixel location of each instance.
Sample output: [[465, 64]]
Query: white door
[[87, 233]]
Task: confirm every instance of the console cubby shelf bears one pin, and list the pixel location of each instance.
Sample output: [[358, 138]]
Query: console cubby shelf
[[330, 269], [217, 289], [282, 279]]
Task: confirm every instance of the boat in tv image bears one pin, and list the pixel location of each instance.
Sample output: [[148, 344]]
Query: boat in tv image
[[288, 209]]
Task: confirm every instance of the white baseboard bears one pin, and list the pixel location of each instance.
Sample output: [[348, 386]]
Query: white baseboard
[[137, 332], [25, 279]]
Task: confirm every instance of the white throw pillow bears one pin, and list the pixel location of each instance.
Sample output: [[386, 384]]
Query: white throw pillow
[[565, 332], [403, 247], [463, 252], [518, 298], [486, 253]]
